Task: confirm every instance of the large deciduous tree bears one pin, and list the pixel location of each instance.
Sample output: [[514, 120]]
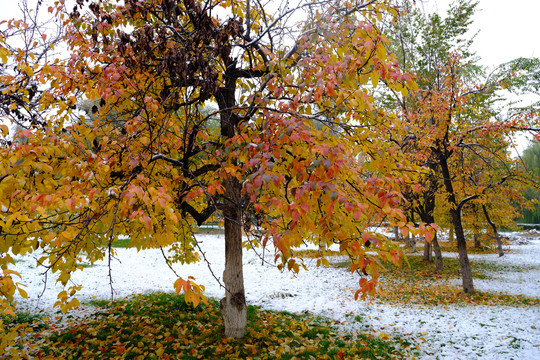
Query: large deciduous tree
[[149, 163]]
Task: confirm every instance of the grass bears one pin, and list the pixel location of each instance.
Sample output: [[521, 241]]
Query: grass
[[309, 253], [162, 325], [25, 319], [417, 282], [486, 248], [121, 243]]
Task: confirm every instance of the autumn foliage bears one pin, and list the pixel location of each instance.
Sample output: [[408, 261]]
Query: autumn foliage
[[200, 109]]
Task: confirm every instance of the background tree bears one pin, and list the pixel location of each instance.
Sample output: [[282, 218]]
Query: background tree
[[453, 119], [531, 163], [422, 44]]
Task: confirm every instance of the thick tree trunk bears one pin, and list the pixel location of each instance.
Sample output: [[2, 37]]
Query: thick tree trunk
[[233, 305], [495, 232], [499, 244]]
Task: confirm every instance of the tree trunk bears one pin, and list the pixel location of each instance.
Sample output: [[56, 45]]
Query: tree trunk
[[451, 234], [455, 213], [476, 229], [413, 243], [438, 254], [233, 305], [495, 232], [427, 251], [434, 246], [396, 233], [466, 273], [476, 238]]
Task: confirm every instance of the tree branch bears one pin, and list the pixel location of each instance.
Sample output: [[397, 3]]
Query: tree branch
[[167, 159], [199, 217]]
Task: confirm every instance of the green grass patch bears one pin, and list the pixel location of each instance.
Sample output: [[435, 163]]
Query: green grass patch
[[163, 326], [26, 319], [85, 266], [211, 231], [121, 243], [485, 269]]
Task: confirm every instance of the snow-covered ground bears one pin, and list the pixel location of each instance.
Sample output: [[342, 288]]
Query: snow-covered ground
[[449, 332]]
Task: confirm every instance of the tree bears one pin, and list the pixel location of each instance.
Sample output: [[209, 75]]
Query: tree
[[422, 43], [531, 163], [453, 119], [160, 169]]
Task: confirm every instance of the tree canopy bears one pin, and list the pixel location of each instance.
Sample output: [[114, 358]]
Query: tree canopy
[[149, 163]]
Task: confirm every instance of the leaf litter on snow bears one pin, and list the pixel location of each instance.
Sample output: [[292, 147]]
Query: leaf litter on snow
[[457, 330]]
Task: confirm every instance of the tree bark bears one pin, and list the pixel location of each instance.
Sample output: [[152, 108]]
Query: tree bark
[[451, 234], [428, 218], [476, 237], [427, 251], [396, 233], [233, 305], [426, 215], [466, 273], [495, 232], [476, 229], [455, 213], [438, 254]]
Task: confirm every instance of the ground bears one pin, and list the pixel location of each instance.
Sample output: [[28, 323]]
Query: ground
[[457, 329]]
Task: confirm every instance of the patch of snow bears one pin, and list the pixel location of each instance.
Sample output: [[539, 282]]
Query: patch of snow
[[449, 332]]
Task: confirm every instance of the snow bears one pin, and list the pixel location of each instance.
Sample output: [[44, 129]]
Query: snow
[[449, 332]]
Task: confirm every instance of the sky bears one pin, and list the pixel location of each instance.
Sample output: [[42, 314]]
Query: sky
[[508, 29]]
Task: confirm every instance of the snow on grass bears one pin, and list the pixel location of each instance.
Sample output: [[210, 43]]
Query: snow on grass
[[449, 332]]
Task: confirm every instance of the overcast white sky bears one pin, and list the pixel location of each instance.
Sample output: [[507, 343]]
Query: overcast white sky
[[508, 29]]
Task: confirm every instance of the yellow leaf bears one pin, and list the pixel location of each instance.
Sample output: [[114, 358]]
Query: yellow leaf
[[404, 92], [4, 53], [28, 70], [22, 293], [375, 78], [160, 351]]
